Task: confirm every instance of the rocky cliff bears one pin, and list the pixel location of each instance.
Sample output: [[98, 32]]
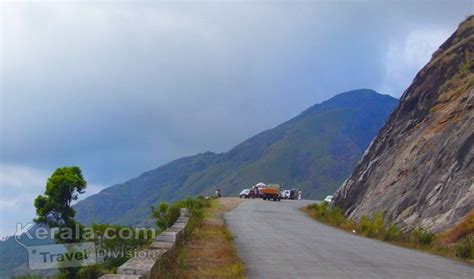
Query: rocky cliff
[[419, 170]]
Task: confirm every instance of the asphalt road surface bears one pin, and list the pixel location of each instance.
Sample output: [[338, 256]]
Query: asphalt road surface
[[276, 240]]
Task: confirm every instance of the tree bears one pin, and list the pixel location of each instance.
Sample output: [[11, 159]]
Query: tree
[[62, 188], [54, 208]]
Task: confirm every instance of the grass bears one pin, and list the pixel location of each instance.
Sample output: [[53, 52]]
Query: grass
[[456, 243], [209, 252], [461, 230]]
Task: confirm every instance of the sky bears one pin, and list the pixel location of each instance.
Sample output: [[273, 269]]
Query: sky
[[122, 87]]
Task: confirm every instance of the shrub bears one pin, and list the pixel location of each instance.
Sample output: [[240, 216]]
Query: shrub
[[336, 217], [166, 215], [311, 206], [465, 248], [161, 215], [392, 233], [91, 272], [349, 225], [174, 212], [378, 225], [366, 227], [322, 211], [421, 237], [461, 236], [462, 229], [333, 216], [373, 227]]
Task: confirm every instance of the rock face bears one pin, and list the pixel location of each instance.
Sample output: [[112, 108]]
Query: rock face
[[419, 170]]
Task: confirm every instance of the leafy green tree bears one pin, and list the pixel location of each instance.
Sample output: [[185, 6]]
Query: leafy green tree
[[62, 188], [54, 207]]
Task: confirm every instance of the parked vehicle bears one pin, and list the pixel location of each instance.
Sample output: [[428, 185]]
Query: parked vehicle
[[256, 191], [285, 194], [328, 199], [271, 192], [293, 194], [245, 193]]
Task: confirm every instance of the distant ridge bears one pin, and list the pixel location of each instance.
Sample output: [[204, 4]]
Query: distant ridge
[[314, 151]]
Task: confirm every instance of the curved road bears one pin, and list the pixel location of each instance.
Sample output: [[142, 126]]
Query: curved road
[[276, 240]]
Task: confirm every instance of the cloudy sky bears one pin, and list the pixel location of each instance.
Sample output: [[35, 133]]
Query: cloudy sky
[[119, 87]]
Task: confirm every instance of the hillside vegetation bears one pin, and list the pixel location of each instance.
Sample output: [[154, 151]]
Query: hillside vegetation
[[314, 151], [457, 243]]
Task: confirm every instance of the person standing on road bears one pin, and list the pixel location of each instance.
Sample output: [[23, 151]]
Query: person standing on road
[[218, 193], [299, 194]]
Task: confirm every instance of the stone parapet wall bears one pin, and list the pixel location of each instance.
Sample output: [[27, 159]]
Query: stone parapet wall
[[149, 263]]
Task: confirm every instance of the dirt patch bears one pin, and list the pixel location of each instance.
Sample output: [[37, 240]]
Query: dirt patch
[[210, 252], [214, 214]]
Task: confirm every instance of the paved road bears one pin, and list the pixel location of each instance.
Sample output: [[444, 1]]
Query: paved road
[[276, 240]]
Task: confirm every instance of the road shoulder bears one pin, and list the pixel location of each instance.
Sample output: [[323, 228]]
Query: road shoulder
[[210, 253]]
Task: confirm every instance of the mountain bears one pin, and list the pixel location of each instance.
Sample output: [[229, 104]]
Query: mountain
[[14, 257], [314, 151], [419, 170]]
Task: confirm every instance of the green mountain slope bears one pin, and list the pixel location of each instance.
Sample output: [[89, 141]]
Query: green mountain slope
[[314, 151]]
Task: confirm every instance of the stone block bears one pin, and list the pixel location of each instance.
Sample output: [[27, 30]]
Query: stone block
[[145, 263], [168, 236], [162, 245], [184, 212], [173, 229], [179, 225], [179, 231], [137, 266], [182, 220]]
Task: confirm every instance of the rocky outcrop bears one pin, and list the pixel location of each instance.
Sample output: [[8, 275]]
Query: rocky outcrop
[[419, 170]]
